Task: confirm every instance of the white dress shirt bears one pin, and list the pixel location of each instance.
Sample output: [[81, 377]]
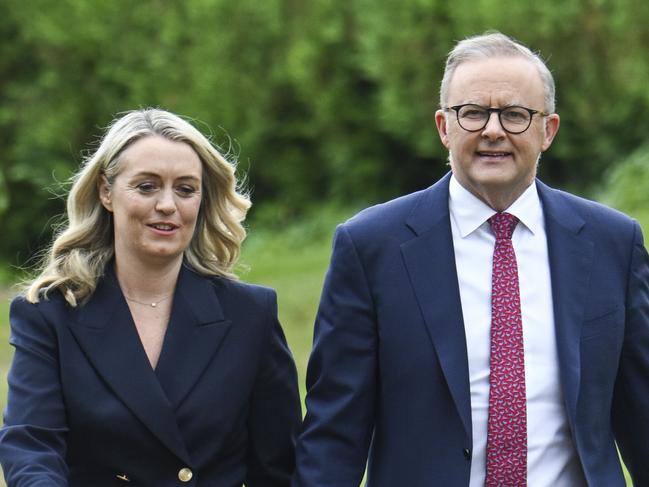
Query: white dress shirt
[[551, 458]]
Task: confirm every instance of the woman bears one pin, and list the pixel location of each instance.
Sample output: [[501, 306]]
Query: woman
[[139, 358]]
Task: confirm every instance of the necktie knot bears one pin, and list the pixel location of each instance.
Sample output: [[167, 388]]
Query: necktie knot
[[503, 225]]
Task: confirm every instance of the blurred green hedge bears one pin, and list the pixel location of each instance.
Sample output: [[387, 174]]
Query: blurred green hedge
[[322, 101], [627, 186]]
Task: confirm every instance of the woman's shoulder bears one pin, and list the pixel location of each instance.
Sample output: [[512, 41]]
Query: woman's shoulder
[[242, 290], [35, 324], [47, 302], [235, 298]]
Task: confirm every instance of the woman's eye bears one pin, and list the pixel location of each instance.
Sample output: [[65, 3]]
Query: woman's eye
[[146, 187], [186, 190]]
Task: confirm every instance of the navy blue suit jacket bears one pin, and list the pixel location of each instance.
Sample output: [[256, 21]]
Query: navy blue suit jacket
[[389, 369], [85, 406]]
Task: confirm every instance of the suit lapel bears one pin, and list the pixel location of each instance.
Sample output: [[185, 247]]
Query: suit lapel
[[430, 261], [571, 255], [105, 331], [196, 329]]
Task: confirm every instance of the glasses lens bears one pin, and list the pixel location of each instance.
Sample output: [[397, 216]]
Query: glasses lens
[[472, 117], [515, 119]]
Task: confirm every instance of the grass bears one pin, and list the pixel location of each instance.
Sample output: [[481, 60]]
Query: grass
[[292, 260]]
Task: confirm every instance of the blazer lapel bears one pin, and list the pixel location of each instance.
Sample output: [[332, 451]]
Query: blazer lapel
[[430, 261], [571, 256], [105, 331], [196, 330]]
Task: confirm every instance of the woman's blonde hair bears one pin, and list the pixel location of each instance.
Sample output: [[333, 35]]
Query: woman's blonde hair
[[84, 244]]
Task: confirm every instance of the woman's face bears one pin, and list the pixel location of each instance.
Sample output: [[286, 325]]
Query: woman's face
[[154, 200]]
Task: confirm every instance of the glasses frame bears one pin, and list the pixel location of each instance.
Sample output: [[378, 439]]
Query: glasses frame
[[499, 111]]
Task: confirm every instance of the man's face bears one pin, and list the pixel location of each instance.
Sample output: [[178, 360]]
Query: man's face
[[493, 164]]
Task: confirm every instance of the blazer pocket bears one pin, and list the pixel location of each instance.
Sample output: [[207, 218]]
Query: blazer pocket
[[603, 324]]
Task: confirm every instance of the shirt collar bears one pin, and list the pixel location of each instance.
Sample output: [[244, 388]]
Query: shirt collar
[[469, 212]]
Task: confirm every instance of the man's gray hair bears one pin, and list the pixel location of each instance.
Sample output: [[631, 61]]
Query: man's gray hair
[[491, 45]]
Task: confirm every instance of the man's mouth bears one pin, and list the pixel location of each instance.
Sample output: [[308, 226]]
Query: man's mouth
[[494, 154]]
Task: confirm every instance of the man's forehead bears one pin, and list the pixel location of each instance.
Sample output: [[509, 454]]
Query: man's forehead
[[502, 66], [512, 77]]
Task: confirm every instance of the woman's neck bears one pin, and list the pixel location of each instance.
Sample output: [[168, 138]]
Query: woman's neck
[[144, 282]]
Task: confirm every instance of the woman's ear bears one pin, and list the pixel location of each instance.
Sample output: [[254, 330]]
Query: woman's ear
[[103, 188]]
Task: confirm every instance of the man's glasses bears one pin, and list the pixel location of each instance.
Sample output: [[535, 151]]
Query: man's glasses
[[513, 119]]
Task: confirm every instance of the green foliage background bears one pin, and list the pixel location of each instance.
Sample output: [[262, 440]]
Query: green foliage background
[[327, 104], [324, 100]]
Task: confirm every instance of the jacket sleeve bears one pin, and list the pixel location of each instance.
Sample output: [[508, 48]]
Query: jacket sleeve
[[341, 376], [631, 400], [33, 438], [275, 410]]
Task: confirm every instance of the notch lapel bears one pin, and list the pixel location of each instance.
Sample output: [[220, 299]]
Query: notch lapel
[[197, 328], [105, 331], [571, 256], [430, 261]]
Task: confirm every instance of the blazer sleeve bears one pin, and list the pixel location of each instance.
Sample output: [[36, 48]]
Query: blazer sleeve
[[275, 409], [341, 376], [33, 438], [631, 400]]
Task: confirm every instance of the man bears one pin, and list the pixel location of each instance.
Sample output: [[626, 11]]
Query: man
[[488, 330]]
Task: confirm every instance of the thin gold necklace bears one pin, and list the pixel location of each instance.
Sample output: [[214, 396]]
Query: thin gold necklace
[[153, 304]]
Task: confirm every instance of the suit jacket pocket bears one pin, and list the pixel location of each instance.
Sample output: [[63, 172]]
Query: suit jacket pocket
[[604, 324]]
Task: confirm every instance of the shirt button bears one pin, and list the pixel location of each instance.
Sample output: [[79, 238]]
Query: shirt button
[[185, 474], [467, 453]]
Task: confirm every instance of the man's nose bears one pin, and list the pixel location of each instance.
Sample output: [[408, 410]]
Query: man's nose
[[493, 129]]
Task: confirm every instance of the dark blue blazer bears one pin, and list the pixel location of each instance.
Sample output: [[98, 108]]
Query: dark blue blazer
[[389, 369], [86, 409]]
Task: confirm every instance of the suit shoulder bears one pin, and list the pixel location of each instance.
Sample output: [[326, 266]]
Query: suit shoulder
[[399, 207], [603, 221], [52, 303], [385, 218], [243, 291], [590, 209], [36, 325], [591, 205]]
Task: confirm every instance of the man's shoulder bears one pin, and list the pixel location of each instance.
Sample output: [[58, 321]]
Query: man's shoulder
[[398, 212], [591, 212], [397, 209]]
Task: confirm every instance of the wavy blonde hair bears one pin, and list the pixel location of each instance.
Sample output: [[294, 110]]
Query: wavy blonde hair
[[84, 244]]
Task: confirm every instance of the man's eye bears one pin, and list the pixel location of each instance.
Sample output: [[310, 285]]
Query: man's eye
[[515, 115], [473, 113]]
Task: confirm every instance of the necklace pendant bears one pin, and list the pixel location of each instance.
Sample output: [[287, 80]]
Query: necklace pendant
[[153, 305]]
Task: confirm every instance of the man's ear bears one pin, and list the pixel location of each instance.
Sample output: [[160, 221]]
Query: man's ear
[[103, 188], [440, 122], [552, 123]]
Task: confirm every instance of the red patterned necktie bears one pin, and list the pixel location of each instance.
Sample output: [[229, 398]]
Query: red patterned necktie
[[507, 424]]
